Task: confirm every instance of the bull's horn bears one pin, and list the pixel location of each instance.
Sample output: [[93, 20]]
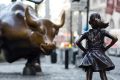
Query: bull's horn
[[62, 20], [31, 19]]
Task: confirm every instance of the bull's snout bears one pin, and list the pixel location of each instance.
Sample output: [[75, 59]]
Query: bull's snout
[[47, 47]]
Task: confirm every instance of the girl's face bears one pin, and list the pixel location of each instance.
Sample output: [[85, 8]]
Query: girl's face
[[95, 23], [95, 20]]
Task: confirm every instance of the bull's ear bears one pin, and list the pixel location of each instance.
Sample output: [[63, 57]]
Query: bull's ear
[[31, 17]]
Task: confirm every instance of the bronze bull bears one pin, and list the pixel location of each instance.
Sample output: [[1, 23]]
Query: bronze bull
[[24, 35]]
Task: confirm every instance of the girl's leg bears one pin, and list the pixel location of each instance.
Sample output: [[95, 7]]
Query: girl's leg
[[103, 75], [89, 74]]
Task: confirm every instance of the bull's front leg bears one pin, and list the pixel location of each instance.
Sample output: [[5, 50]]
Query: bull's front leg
[[32, 66], [37, 65]]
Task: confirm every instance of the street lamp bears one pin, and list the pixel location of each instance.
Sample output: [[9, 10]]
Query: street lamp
[[88, 7], [71, 33]]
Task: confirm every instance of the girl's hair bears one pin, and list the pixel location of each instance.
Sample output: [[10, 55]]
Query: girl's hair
[[95, 21]]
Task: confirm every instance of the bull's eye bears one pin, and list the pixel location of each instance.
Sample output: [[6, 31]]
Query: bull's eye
[[42, 30], [56, 32]]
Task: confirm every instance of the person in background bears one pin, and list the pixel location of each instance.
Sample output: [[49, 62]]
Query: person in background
[[95, 59]]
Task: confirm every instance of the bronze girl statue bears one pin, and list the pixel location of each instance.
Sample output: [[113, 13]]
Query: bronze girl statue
[[95, 59]]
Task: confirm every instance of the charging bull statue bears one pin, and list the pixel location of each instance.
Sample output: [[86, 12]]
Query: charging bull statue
[[24, 35]]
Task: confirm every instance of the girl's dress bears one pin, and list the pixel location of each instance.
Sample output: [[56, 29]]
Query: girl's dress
[[95, 57]]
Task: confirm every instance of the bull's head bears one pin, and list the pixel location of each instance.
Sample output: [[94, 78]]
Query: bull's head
[[44, 30]]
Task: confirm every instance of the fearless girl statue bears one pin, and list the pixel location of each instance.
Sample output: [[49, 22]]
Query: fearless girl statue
[[95, 59]]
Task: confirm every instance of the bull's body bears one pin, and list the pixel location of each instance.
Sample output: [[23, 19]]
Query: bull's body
[[14, 35], [23, 35]]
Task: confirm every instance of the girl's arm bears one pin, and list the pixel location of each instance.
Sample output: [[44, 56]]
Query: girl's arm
[[79, 44], [114, 40]]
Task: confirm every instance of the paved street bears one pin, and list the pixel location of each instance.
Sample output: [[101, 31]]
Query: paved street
[[52, 72], [116, 72]]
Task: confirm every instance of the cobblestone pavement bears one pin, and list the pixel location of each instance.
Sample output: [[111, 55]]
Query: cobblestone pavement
[[50, 72]]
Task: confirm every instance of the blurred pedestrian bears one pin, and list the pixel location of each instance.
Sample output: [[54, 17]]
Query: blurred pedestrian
[[95, 59]]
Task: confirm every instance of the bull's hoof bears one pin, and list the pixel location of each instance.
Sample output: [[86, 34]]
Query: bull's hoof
[[37, 67], [29, 70]]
